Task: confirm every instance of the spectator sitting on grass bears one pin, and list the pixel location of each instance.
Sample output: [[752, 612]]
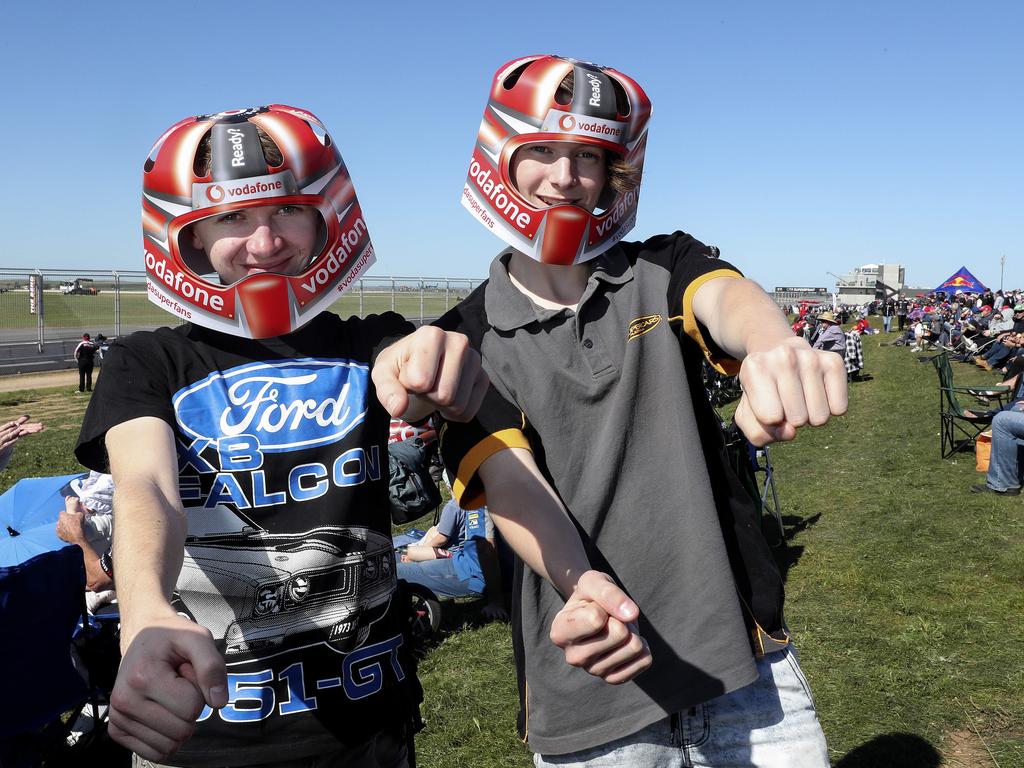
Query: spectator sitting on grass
[[87, 520], [456, 558], [1003, 476], [831, 337], [919, 334]]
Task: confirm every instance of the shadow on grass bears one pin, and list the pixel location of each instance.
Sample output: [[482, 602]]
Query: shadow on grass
[[456, 615], [892, 750], [786, 554]]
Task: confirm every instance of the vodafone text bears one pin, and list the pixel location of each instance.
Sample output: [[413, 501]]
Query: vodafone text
[[625, 205], [498, 195], [598, 128], [346, 242], [180, 283], [356, 270], [255, 188]]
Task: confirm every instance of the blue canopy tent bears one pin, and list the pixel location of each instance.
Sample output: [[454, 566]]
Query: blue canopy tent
[[961, 281]]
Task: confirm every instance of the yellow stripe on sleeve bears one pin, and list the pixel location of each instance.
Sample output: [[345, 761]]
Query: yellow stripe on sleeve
[[470, 494], [725, 365]]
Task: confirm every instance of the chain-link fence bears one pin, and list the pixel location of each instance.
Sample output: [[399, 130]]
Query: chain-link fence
[[49, 309], [41, 305]]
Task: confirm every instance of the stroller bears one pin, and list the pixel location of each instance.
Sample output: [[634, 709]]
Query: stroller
[[61, 662]]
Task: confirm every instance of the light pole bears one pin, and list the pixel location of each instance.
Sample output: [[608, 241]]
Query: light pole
[[1002, 262], [841, 282]]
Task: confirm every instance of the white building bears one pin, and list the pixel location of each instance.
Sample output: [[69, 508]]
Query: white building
[[864, 284]]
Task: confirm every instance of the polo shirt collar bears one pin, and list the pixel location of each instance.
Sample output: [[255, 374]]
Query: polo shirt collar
[[507, 308]]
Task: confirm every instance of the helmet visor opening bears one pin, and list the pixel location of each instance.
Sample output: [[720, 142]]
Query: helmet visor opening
[[588, 175], [229, 245]]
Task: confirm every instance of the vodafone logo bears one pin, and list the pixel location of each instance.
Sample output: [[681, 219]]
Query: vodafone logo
[[271, 185], [584, 125]]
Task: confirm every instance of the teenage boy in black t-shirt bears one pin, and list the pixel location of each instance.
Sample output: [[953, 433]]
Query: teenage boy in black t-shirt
[[256, 576], [255, 571]]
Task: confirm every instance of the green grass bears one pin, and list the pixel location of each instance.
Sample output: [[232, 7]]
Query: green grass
[[905, 591]]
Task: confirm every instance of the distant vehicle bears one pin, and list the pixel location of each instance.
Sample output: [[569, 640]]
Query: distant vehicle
[[76, 287]]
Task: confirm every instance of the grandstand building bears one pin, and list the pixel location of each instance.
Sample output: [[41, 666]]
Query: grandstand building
[[863, 285]]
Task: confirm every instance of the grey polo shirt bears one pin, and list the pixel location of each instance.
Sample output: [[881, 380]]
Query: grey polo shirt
[[602, 397]]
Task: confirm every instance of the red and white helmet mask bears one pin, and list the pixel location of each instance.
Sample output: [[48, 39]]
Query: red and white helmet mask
[[607, 109], [180, 277]]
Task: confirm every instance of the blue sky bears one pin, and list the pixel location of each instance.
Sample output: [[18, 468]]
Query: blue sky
[[802, 138]]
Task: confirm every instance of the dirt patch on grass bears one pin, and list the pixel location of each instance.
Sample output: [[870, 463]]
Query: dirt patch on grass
[[22, 381], [965, 749]]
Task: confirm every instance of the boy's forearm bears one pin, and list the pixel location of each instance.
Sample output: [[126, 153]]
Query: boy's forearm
[[740, 316], [151, 525], [532, 520]]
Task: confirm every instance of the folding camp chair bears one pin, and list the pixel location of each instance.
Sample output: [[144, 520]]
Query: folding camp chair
[[959, 430], [753, 467], [764, 474]]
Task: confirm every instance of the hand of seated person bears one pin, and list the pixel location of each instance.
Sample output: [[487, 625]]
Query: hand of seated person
[[416, 553]]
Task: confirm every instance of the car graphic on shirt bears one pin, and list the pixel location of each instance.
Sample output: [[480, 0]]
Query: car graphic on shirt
[[254, 590]]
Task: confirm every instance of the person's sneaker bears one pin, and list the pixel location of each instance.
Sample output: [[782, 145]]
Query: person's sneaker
[[983, 488]]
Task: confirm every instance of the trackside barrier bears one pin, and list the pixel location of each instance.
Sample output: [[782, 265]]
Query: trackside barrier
[[43, 310]]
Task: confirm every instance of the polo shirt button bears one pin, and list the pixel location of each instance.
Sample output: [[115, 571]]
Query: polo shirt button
[[588, 344]]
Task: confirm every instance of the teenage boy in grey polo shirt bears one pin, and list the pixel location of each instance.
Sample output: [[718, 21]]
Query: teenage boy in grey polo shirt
[[594, 349]]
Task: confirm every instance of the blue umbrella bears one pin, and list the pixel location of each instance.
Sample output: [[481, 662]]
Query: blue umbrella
[[28, 518]]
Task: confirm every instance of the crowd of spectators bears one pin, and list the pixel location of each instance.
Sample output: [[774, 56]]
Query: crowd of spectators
[[822, 328], [986, 329]]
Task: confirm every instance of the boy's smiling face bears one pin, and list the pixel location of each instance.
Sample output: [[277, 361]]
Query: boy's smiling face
[[265, 238], [560, 173]]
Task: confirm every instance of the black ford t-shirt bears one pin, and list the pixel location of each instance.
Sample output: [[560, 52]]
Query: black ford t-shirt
[[282, 464]]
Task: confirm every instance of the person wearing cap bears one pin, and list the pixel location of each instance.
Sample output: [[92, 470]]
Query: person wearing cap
[[85, 356], [594, 348], [830, 337], [260, 622]]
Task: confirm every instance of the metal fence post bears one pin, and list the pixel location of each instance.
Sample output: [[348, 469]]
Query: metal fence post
[[447, 290], [117, 304], [392, 294], [40, 325]]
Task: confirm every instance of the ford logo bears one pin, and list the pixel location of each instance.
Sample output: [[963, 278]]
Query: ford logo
[[286, 405]]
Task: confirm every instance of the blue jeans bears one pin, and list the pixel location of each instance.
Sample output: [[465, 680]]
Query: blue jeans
[[438, 576], [770, 723], [997, 355], [887, 322], [1003, 464]]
